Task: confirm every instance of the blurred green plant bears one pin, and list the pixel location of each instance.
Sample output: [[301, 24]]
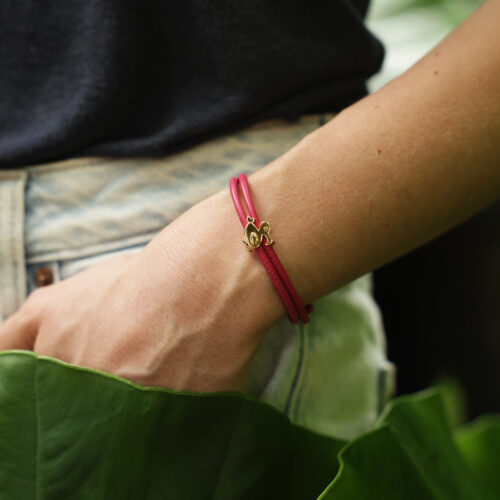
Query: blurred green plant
[[454, 399], [74, 433]]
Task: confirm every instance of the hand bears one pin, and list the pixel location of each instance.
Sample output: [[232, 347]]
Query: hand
[[187, 312]]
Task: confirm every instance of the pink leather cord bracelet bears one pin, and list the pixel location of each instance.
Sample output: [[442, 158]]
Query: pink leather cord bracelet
[[254, 233]]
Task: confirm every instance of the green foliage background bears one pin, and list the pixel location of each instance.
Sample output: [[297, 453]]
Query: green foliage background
[[75, 433]]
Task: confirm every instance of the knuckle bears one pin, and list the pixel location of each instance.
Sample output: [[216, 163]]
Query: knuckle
[[16, 321]]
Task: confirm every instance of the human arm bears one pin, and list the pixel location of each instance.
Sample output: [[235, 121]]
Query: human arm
[[395, 169], [190, 309]]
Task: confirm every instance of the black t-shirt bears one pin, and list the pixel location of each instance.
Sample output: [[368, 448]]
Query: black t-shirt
[[150, 77]]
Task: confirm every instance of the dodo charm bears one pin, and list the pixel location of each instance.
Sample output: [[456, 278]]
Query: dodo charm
[[254, 236]]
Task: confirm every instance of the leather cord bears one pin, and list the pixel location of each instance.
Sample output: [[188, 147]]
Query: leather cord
[[286, 291]]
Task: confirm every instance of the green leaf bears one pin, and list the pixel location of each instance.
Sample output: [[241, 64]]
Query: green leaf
[[69, 432], [411, 455], [74, 433], [479, 443]]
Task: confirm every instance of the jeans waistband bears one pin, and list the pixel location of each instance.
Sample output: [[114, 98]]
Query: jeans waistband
[[80, 206]]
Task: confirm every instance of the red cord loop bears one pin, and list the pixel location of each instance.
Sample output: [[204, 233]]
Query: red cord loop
[[257, 237]]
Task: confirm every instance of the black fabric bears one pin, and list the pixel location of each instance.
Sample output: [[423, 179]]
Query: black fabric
[[150, 77]]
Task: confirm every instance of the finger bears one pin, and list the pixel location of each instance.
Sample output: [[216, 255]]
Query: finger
[[18, 332]]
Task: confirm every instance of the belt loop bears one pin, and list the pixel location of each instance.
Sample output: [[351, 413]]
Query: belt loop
[[12, 261]]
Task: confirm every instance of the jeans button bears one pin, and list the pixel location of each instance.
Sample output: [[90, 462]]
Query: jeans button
[[44, 276]]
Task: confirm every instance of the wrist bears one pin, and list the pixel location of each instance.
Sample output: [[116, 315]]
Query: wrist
[[205, 246], [257, 299]]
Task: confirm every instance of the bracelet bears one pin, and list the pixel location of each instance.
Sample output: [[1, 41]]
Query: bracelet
[[254, 233]]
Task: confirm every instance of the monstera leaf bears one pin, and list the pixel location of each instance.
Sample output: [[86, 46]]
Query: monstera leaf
[[74, 433], [413, 454]]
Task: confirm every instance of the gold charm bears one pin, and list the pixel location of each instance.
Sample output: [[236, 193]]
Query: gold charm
[[253, 236]]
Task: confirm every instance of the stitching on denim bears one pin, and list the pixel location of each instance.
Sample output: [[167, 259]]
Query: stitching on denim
[[69, 164], [298, 371], [4, 233], [11, 250], [82, 252], [13, 266]]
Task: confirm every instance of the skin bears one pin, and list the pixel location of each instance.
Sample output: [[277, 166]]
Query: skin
[[386, 175]]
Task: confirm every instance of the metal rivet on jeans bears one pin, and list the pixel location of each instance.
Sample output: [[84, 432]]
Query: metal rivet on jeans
[[44, 276]]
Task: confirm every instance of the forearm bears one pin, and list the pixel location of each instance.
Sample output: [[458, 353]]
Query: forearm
[[386, 175], [394, 170]]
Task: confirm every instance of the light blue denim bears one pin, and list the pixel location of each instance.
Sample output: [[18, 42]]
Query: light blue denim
[[330, 375]]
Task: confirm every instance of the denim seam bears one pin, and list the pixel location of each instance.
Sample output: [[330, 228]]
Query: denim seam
[[21, 247], [11, 250], [4, 249], [90, 250], [68, 164], [11, 253], [291, 404]]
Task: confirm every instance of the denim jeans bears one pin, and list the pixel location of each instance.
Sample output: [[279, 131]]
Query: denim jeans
[[330, 375]]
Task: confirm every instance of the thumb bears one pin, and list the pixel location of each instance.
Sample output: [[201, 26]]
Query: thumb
[[18, 331]]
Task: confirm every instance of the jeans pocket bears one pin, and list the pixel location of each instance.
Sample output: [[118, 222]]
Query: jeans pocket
[[53, 271], [276, 366], [70, 267]]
